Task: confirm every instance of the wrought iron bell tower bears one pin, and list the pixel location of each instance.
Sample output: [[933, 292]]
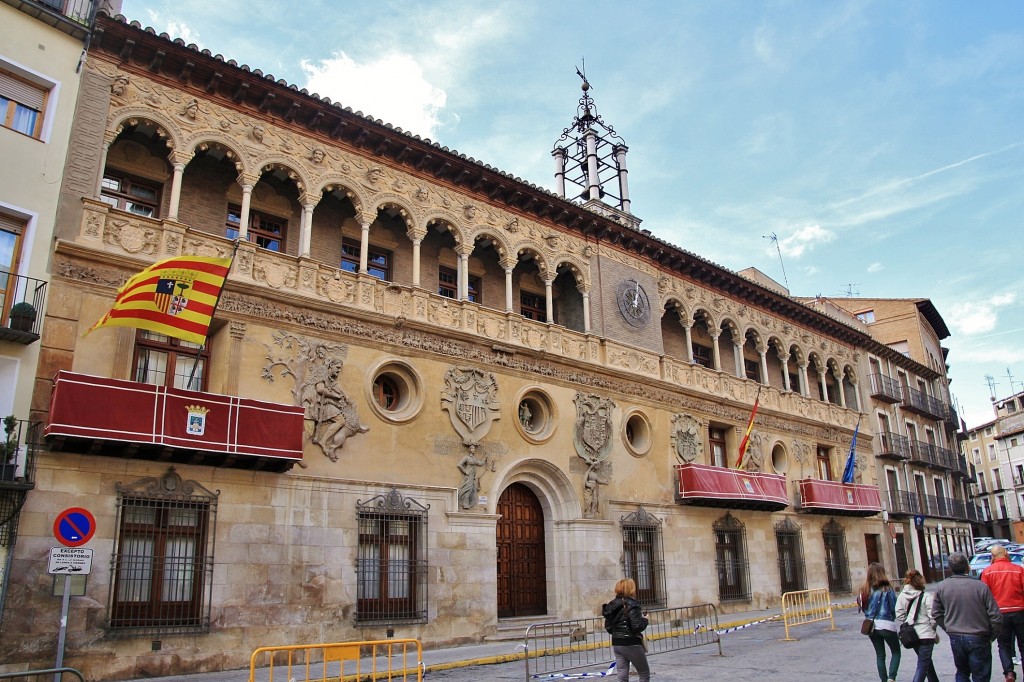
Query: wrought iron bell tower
[[590, 162]]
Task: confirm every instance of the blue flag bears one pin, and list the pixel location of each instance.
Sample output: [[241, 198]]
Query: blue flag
[[851, 460]]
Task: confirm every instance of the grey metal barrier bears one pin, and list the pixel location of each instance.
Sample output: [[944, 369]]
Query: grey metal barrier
[[56, 674], [554, 650]]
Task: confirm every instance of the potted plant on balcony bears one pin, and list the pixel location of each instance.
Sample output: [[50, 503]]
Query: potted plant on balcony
[[9, 449], [23, 316]]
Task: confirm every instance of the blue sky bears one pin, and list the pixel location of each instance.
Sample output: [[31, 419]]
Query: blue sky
[[881, 142]]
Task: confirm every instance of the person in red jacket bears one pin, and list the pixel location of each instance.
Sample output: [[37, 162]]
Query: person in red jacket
[[1006, 580]]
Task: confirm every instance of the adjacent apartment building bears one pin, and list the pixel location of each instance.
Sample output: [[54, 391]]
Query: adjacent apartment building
[[924, 477], [997, 450], [41, 56], [436, 402]]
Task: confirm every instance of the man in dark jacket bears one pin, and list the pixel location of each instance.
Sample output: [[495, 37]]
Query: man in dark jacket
[[1006, 580], [967, 611]]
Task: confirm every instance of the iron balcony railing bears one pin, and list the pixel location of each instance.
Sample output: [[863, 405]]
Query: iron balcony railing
[[76, 12], [885, 388], [931, 455], [906, 503], [893, 445], [19, 441], [21, 303], [922, 403]]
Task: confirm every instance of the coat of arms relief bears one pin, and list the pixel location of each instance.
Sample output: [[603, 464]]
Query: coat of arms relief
[[470, 397], [686, 437], [592, 437]]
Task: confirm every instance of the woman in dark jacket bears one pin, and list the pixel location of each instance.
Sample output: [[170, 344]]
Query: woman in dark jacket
[[625, 622]]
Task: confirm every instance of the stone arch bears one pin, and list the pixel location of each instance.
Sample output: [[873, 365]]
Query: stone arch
[[538, 256], [229, 144], [337, 183], [118, 119], [674, 301], [286, 164], [489, 233], [408, 214], [553, 488], [579, 269]]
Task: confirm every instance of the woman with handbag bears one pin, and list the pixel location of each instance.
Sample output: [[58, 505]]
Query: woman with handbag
[[625, 621], [881, 611], [914, 608]]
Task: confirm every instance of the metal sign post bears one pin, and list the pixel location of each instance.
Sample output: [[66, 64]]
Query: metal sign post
[[73, 527]]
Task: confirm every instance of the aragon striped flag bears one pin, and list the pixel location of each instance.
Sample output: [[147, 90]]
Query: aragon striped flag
[[175, 297]]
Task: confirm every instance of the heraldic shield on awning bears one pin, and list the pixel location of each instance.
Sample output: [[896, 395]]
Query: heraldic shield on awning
[[97, 415], [709, 486]]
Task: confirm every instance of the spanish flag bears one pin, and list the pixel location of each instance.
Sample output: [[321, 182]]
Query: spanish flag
[[175, 297], [746, 436]]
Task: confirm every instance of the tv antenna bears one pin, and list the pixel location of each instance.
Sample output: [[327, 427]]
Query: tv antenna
[[991, 381], [775, 240], [850, 291]]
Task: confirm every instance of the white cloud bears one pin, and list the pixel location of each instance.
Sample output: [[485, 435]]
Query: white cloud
[[805, 239], [978, 317], [175, 29], [409, 101], [875, 267]]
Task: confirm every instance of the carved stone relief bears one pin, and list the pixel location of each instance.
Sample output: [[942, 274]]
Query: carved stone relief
[[592, 437], [470, 397], [316, 368], [686, 437]]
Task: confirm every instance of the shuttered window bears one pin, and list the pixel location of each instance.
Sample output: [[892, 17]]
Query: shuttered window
[[21, 104]]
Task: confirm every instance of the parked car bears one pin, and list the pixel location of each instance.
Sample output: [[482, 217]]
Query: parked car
[[981, 544], [982, 560]]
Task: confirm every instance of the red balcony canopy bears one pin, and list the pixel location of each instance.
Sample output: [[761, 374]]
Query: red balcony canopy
[[710, 486], [128, 418], [844, 499]]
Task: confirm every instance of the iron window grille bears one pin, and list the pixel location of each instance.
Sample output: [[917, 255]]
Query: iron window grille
[[643, 557], [836, 564], [792, 572], [161, 577], [391, 563], [731, 559]]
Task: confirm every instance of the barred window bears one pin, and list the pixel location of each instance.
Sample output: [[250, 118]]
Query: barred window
[[163, 561], [836, 563], [731, 559], [391, 567], [791, 557], [643, 557]]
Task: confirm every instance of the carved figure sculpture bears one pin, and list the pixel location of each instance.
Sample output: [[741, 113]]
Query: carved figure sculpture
[[469, 489]]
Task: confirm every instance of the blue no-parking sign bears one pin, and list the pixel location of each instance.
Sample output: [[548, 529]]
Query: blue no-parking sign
[[74, 527]]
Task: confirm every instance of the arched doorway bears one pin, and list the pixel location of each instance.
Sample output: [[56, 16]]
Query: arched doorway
[[522, 580]]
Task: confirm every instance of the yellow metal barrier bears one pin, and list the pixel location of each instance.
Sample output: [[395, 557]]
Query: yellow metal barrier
[[808, 606], [386, 660]]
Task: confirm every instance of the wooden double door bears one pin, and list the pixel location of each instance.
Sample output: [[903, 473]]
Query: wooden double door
[[522, 580]]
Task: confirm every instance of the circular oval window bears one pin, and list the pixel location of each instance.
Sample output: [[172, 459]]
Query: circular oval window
[[395, 392], [637, 433], [780, 459], [535, 415]]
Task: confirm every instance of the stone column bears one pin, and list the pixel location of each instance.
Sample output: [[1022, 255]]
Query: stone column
[[108, 139], [737, 352], [549, 303], [763, 352], [688, 330], [179, 160], [416, 243], [247, 182], [838, 374], [802, 371], [364, 245], [824, 384], [586, 312], [509, 266], [784, 359], [308, 202], [716, 354]]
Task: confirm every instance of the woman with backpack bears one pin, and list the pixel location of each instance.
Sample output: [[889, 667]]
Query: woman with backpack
[[914, 606], [625, 621], [881, 609]]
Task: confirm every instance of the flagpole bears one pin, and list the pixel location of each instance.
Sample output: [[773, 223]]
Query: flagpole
[[744, 444], [220, 292]]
